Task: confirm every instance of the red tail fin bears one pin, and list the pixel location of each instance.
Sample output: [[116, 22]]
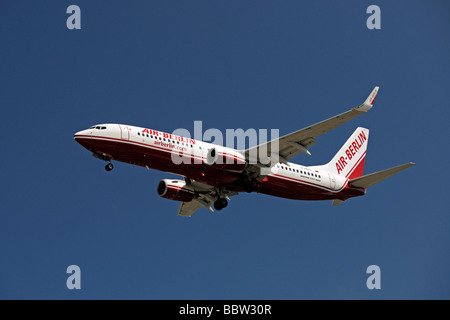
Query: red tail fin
[[349, 161]]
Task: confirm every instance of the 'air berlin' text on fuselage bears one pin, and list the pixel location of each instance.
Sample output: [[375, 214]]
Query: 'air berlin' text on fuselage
[[168, 136]]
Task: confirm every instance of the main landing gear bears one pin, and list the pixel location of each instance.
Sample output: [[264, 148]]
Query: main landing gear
[[251, 185], [220, 204]]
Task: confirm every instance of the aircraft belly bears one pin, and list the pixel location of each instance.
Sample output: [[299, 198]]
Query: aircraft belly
[[285, 188], [158, 158]]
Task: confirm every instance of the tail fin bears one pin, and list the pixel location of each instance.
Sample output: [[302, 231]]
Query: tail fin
[[349, 161]]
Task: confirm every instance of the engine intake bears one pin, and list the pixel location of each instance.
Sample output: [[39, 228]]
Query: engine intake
[[175, 190]]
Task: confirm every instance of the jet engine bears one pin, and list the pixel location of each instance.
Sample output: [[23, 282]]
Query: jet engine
[[225, 159], [175, 190]]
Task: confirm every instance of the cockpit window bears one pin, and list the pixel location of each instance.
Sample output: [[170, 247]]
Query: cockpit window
[[103, 128], [98, 127]]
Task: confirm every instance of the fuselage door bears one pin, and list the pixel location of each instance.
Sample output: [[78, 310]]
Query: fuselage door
[[125, 132], [332, 181]]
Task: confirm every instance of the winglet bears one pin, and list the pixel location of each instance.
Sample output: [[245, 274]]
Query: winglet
[[368, 104], [371, 98]]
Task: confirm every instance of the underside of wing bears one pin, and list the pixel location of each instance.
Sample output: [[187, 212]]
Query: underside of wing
[[205, 196], [284, 148], [187, 209]]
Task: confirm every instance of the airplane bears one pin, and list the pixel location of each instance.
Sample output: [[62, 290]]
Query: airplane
[[215, 173]]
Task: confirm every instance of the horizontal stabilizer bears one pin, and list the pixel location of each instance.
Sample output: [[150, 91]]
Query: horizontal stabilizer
[[337, 202], [373, 178]]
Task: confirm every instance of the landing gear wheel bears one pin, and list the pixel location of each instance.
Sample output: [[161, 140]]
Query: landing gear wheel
[[220, 203], [109, 166], [223, 202]]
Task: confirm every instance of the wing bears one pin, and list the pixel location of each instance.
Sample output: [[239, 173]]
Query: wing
[[188, 208], [284, 148], [205, 196]]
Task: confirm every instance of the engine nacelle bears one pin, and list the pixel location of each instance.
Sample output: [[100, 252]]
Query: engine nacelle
[[175, 190], [225, 159]]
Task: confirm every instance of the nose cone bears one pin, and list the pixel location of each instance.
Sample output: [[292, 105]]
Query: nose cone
[[81, 134], [83, 137]]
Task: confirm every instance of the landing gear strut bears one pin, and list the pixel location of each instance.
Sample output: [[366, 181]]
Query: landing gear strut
[[220, 203], [109, 166]]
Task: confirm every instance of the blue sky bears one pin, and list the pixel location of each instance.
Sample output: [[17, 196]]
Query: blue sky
[[233, 64]]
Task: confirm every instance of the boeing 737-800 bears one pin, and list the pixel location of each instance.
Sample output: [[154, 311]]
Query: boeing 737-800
[[215, 173]]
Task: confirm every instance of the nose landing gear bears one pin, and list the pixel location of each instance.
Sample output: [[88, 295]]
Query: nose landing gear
[[105, 157], [109, 166]]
